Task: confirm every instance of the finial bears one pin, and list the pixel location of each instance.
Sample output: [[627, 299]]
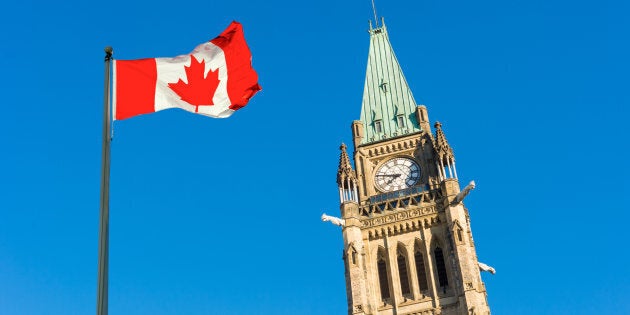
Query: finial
[[342, 147], [437, 125], [109, 51]]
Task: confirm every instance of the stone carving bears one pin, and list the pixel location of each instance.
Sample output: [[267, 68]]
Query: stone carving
[[393, 147], [484, 267], [462, 194], [333, 220], [400, 216]]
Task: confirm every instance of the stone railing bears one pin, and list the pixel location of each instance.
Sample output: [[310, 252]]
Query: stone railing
[[414, 196]]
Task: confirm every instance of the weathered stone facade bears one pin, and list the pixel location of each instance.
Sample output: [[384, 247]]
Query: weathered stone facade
[[408, 245]]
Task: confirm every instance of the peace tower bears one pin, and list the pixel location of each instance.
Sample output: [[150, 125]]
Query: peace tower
[[408, 246]]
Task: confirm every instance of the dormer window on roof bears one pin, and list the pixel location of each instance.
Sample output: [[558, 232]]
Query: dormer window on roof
[[400, 119], [378, 126]]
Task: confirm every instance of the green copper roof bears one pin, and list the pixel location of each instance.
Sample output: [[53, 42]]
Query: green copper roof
[[387, 99]]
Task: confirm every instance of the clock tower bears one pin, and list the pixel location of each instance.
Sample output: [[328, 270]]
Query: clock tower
[[408, 246]]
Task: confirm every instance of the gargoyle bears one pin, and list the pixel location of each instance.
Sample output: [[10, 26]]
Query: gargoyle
[[462, 194], [333, 220], [484, 267]]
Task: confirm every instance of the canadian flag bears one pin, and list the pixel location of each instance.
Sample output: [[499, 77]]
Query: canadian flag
[[215, 79]]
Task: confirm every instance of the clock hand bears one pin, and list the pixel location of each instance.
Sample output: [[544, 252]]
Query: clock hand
[[393, 177]]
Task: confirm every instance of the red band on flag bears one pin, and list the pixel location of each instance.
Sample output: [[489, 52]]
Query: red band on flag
[[135, 87], [242, 81]]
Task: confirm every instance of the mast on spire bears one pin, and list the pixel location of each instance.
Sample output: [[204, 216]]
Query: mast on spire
[[375, 16]]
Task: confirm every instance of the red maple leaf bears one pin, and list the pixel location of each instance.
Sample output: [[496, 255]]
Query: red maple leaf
[[199, 90]]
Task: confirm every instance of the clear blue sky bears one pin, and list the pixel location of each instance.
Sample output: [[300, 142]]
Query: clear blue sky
[[212, 216]]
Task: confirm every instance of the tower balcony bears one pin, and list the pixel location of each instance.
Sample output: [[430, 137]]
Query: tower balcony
[[400, 199]]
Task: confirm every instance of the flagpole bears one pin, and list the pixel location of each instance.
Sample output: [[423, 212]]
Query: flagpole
[[103, 238]]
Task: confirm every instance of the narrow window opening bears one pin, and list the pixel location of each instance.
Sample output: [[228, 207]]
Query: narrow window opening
[[420, 272], [459, 235], [402, 274], [382, 279], [441, 267], [378, 127], [401, 121], [354, 257]]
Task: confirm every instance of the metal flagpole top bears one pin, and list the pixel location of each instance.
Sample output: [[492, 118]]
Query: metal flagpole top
[[109, 51]]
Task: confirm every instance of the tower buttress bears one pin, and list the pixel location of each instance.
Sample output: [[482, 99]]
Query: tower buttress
[[423, 117], [357, 133], [470, 289], [354, 251]]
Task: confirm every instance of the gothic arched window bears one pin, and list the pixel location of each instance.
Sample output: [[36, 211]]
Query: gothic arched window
[[441, 267], [421, 271], [382, 276], [403, 274]]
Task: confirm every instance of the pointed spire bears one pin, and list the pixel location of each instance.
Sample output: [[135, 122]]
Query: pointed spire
[[345, 170], [346, 179], [445, 159], [442, 148], [388, 109]]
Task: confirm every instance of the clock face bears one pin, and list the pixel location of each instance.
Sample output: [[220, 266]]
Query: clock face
[[397, 174]]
